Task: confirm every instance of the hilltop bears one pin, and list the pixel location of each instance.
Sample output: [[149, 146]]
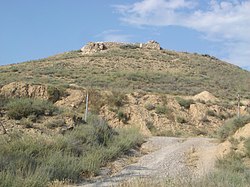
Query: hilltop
[[133, 67]]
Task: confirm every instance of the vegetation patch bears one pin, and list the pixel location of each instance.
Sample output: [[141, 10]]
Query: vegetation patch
[[149, 106], [117, 99], [26, 160], [56, 93], [231, 126], [162, 109], [54, 123], [180, 119], [211, 113], [129, 46], [24, 107], [185, 102]]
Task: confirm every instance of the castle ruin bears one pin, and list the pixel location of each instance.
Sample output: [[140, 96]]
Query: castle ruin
[[93, 47]]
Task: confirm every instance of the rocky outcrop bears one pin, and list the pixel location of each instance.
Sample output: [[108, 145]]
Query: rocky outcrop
[[21, 89], [73, 100], [93, 47], [151, 45]]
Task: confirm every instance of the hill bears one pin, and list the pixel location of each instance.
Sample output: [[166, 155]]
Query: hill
[[133, 89], [133, 67]]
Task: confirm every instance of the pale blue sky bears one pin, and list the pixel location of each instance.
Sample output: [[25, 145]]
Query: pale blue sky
[[33, 29]]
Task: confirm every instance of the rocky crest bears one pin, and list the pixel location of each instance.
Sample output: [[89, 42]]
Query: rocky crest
[[93, 47]]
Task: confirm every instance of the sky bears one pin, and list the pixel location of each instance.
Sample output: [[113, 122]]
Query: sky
[[34, 29]]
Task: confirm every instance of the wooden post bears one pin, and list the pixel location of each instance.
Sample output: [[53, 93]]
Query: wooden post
[[238, 99], [86, 108]]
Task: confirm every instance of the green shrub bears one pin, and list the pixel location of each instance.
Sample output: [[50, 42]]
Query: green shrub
[[129, 46], [56, 92], [149, 106], [211, 113], [122, 116], [24, 107], [185, 102], [223, 116], [53, 93], [162, 109], [58, 122], [180, 119], [117, 99], [27, 123], [231, 126], [151, 127]]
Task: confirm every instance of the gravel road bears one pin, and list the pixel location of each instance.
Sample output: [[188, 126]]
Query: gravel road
[[171, 157]]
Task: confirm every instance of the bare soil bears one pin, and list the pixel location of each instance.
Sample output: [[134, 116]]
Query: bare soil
[[177, 158]]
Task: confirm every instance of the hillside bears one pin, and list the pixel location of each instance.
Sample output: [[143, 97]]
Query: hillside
[[135, 91], [130, 68]]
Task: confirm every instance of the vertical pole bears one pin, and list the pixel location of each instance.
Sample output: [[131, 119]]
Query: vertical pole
[[86, 109], [238, 98]]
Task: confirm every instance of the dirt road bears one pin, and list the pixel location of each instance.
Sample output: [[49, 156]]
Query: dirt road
[[171, 157]]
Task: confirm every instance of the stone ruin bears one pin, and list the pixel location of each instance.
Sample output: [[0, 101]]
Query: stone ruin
[[151, 45], [93, 47]]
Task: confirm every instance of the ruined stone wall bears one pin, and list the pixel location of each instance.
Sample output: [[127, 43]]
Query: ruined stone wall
[[93, 47], [151, 45]]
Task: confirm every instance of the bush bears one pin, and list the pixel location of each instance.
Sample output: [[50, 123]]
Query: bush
[[23, 107], [26, 160], [161, 109], [151, 127], [129, 46], [185, 102], [231, 126], [122, 116], [181, 119], [117, 99], [53, 93], [27, 123], [211, 113], [149, 106], [58, 122]]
